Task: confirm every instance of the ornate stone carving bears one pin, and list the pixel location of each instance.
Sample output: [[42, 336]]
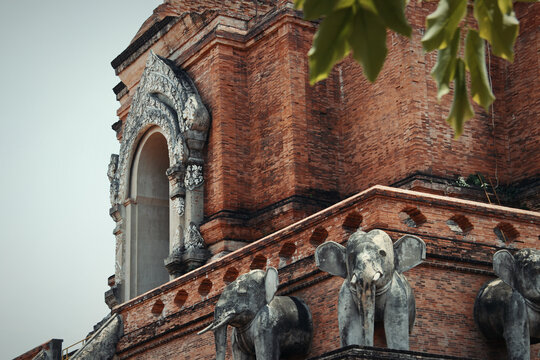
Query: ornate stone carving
[[176, 174], [259, 319], [193, 238], [509, 307], [111, 174], [179, 205], [166, 97], [120, 256], [374, 288], [194, 176]]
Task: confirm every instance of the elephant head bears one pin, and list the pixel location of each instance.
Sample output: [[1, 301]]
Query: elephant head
[[240, 302], [521, 272], [369, 264], [509, 307]]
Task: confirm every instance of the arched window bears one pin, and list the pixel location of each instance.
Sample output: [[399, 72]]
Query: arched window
[[149, 213]]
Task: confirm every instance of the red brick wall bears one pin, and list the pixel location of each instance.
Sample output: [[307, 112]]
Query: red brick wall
[[273, 136], [520, 94], [445, 285], [396, 126]]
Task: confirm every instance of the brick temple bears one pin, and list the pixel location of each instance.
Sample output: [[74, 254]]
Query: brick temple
[[230, 161]]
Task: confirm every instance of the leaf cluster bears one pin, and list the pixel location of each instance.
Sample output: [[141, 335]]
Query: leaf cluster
[[360, 27]]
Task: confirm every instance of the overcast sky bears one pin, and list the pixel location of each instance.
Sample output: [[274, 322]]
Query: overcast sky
[[56, 111]]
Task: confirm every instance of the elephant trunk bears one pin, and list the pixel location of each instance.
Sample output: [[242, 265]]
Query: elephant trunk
[[366, 307], [220, 338], [366, 292], [219, 327]]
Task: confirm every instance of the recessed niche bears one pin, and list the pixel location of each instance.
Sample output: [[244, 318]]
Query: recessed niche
[[318, 237], [287, 250], [412, 217], [180, 298], [157, 308], [459, 224], [259, 262], [230, 275], [204, 288], [506, 232], [352, 221]]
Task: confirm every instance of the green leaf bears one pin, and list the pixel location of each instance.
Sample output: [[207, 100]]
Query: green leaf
[[392, 12], [369, 5], [461, 110], [444, 70], [475, 59], [505, 6], [498, 27], [299, 4], [368, 42], [314, 9], [442, 24], [329, 44]]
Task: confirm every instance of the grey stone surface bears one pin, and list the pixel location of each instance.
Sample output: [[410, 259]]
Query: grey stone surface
[[374, 288], [112, 296], [266, 327], [509, 307], [102, 344]]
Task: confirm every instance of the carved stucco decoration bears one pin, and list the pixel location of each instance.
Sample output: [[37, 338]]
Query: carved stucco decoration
[[195, 238], [111, 174], [166, 97], [179, 205], [194, 177]]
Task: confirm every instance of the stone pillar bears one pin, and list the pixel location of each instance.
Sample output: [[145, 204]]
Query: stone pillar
[[177, 192], [195, 252]]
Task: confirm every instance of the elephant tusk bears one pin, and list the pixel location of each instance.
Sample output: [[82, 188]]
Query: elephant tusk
[[214, 326], [377, 276], [353, 279], [209, 327], [222, 322]]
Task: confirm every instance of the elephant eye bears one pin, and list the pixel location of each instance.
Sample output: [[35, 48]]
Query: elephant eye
[[382, 252]]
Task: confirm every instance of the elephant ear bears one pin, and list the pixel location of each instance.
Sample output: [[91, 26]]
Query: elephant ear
[[331, 257], [271, 283], [504, 266], [409, 251]]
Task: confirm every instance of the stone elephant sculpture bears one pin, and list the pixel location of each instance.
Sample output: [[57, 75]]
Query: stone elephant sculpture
[[374, 288], [265, 327], [509, 307]]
